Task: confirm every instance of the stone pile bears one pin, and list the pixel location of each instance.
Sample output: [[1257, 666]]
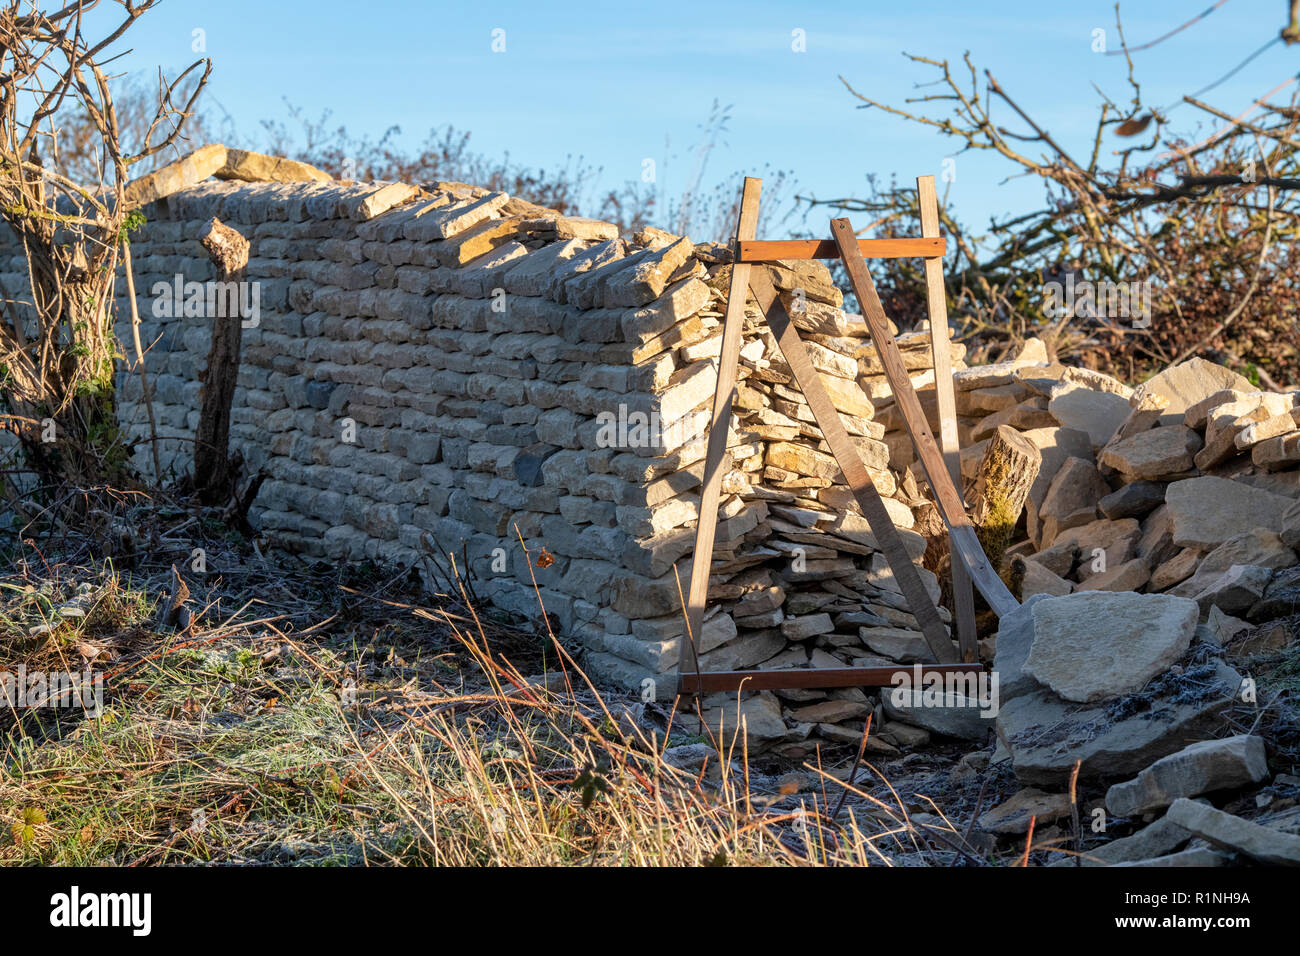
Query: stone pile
[[1187, 485], [1160, 544]]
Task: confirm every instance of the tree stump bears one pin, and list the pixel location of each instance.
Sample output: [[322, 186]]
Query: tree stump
[[1007, 471], [213, 473]]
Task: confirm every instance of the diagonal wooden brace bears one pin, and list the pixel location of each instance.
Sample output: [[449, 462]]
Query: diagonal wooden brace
[[965, 544], [855, 473]]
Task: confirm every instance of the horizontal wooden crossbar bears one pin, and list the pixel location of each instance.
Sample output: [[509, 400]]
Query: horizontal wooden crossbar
[[769, 250], [711, 681]]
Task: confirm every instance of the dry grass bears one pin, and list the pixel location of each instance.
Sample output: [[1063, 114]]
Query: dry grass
[[328, 717]]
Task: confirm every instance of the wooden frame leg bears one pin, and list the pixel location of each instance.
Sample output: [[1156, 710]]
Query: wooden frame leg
[[951, 507], [963, 596], [715, 458]]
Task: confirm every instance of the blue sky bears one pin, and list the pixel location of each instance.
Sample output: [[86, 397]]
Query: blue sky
[[614, 82]]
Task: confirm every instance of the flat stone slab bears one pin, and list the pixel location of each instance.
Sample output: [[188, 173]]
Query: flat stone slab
[[1197, 857], [1159, 839], [1201, 768], [1097, 413], [1209, 510], [1155, 453], [1045, 735], [1093, 645], [1262, 844], [1188, 383], [1013, 816], [1015, 635], [1259, 547], [965, 719], [1134, 500]]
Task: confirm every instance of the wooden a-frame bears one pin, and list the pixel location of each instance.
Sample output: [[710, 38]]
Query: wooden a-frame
[[940, 464]]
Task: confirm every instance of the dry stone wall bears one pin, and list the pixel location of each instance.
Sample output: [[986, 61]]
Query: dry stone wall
[[451, 370]]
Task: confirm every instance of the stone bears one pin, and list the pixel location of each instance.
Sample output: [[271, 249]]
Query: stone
[[1290, 532], [897, 644], [1130, 638], [1054, 445], [904, 735], [1129, 576], [1015, 637], [802, 628], [760, 715], [752, 649], [1157, 542], [1209, 510], [830, 712], [1071, 498], [1271, 427], [1038, 580], [190, 169], [1198, 415], [1204, 767], [1258, 547], [644, 281], [1102, 544], [1276, 453], [1232, 833], [1195, 857], [1158, 453], [958, 717], [1097, 413], [1144, 414], [1217, 629], [1189, 382], [247, 166], [1159, 839], [1059, 559], [576, 227], [1013, 816], [1281, 598], [1227, 422], [1045, 735], [1236, 590], [1133, 500], [1178, 568], [1022, 417]]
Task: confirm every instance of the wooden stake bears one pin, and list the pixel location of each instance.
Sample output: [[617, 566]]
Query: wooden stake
[[715, 459], [963, 596]]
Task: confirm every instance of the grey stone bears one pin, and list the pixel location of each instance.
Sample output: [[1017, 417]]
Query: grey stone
[[1198, 857], [1133, 500], [1236, 590], [1046, 735], [1097, 413], [1159, 839], [1188, 383], [1156, 453], [1201, 768], [1015, 637], [528, 463], [1209, 510], [963, 718], [1258, 547], [1262, 844], [1093, 645]]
